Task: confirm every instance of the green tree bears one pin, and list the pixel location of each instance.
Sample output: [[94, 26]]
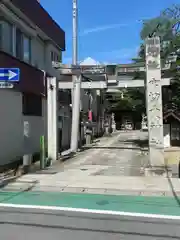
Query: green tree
[[167, 27], [130, 100], [160, 26], [173, 14]]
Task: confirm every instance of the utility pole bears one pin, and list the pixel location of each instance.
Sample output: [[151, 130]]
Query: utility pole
[[74, 33], [74, 42], [76, 92]]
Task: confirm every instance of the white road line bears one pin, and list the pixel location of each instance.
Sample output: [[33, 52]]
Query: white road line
[[91, 211]]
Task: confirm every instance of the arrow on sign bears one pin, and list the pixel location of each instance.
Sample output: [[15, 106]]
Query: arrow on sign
[[9, 75]]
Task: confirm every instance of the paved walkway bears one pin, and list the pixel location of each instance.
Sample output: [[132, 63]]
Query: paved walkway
[[113, 166], [122, 157], [116, 156]]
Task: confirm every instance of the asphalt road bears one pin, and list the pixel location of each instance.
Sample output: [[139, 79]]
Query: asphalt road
[[31, 224]]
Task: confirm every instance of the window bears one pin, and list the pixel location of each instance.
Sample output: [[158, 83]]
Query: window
[[9, 46], [31, 104], [1, 35], [14, 42], [19, 52], [55, 57], [6, 33], [26, 49], [52, 56], [23, 46]]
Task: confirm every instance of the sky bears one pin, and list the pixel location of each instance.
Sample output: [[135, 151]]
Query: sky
[[108, 30]]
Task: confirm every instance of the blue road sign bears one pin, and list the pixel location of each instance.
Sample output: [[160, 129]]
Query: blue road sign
[[9, 74]]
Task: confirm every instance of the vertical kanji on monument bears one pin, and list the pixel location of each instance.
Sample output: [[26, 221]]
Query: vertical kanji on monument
[[154, 101]]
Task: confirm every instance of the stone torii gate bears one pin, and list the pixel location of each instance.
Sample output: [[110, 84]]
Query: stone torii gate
[[153, 85]]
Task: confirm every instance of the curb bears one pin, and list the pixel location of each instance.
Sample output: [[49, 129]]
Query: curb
[[20, 186], [8, 180], [103, 191]]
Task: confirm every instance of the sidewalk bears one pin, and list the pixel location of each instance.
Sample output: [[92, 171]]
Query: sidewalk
[[90, 172], [142, 186]]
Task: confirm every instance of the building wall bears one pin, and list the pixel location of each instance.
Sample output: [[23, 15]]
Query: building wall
[[40, 47], [12, 127], [11, 130], [37, 128], [49, 48], [41, 58], [38, 53]]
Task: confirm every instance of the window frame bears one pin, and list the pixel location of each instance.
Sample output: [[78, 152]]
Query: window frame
[[26, 37], [10, 26], [16, 45], [6, 25], [19, 44], [1, 35], [52, 56], [55, 57]]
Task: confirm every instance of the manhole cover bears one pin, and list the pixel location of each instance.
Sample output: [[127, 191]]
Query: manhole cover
[[103, 202]]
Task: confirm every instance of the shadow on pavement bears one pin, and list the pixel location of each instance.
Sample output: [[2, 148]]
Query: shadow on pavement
[[109, 147], [142, 143], [125, 144]]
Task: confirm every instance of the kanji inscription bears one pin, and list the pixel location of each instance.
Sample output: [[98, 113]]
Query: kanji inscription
[[154, 101]]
